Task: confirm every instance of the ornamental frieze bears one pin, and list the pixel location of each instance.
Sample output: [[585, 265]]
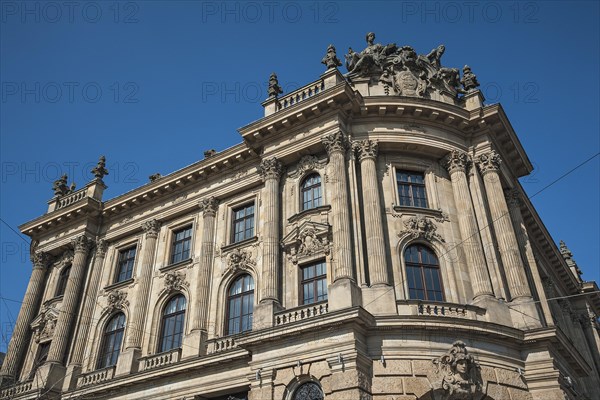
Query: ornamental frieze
[[460, 375]]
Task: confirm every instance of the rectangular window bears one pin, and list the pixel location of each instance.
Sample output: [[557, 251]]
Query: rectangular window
[[411, 189], [125, 264], [243, 223], [182, 241], [314, 283]]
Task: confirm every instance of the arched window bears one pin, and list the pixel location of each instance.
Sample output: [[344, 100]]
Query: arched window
[[309, 391], [172, 324], [240, 305], [423, 274], [62, 280], [112, 339], [311, 192]]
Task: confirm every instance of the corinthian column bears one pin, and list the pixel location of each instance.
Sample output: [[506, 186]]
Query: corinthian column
[[21, 332], [70, 302], [270, 171], [88, 304], [336, 145], [489, 164], [138, 314], [456, 163], [209, 207], [377, 266]]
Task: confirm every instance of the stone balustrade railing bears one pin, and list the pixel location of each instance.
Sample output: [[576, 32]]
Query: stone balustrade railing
[[440, 309], [16, 390], [71, 198], [95, 377], [160, 360], [300, 94], [220, 344], [300, 313]]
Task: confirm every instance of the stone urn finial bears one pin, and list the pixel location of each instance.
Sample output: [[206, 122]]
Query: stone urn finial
[[274, 88], [330, 60]]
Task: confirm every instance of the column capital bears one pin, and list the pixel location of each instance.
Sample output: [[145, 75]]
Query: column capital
[[81, 244], [270, 168], [513, 198], [336, 142], [366, 149], [101, 247], [151, 228], [209, 206], [489, 162], [40, 259], [456, 160]]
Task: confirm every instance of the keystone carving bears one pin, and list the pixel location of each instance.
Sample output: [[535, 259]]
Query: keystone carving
[[270, 168], [461, 378], [117, 300], [421, 227], [209, 206], [174, 282], [239, 260]]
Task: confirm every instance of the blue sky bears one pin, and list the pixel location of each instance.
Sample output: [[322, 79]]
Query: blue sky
[[152, 84]]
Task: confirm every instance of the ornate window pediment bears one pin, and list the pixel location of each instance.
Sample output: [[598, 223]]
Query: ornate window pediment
[[43, 325], [307, 240]]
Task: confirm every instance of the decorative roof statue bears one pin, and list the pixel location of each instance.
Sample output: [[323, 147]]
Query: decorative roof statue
[[100, 170], [469, 79], [330, 59], [274, 88], [435, 56], [461, 379], [154, 177], [371, 59], [568, 256], [60, 186]]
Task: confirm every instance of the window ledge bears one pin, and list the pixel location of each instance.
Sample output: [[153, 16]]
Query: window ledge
[[439, 215], [120, 284], [176, 265], [241, 243], [310, 211]]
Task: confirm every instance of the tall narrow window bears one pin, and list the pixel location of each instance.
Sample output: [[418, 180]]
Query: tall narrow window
[[125, 264], [243, 223], [112, 339], [40, 358], [411, 189], [63, 278], [314, 283], [173, 319], [182, 241], [311, 192], [309, 391], [423, 274], [240, 305]]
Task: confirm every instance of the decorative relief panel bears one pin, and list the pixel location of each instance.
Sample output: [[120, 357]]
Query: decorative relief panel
[[307, 240], [117, 300], [460, 375], [307, 163], [43, 325], [239, 260], [420, 227], [174, 282]]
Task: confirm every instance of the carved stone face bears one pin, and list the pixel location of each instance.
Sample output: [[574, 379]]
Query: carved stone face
[[461, 367]]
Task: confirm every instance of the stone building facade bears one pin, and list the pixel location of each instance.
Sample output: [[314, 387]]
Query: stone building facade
[[367, 239]]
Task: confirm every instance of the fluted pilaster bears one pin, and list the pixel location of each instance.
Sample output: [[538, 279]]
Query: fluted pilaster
[[139, 310], [209, 208], [336, 145], [377, 266], [508, 246], [270, 171], [68, 312], [21, 332], [88, 304], [456, 163]]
